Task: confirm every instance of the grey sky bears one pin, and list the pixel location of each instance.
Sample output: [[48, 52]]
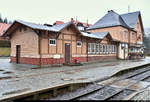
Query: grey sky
[[48, 11]]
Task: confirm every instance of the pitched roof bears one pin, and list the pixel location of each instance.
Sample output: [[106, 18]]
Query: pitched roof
[[59, 27], [3, 28], [98, 35], [113, 19], [55, 28], [131, 18]]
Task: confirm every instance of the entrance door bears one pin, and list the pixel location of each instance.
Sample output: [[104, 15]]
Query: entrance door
[[17, 53], [67, 53]]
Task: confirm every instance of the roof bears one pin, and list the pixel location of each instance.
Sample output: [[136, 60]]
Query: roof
[[3, 28], [59, 27], [98, 35], [114, 19], [131, 18], [54, 28]]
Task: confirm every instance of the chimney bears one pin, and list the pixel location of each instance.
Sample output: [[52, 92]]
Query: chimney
[[110, 11]]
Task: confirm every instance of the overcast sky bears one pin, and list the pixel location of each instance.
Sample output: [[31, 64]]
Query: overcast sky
[[48, 11]]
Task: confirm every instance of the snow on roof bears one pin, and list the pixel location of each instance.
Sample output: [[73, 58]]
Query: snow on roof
[[98, 35]]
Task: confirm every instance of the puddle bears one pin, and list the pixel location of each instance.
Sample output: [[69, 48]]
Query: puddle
[[109, 65], [16, 91], [66, 79], [69, 72], [82, 78], [1, 70], [8, 72], [7, 77]]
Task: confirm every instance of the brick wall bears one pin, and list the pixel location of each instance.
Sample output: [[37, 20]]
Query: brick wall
[[25, 60], [45, 61]]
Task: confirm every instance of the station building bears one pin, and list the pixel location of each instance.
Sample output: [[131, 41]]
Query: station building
[[113, 36], [64, 43], [127, 28]]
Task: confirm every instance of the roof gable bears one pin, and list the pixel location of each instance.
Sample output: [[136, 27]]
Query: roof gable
[[127, 20], [54, 28], [131, 18], [58, 28], [110, 19]]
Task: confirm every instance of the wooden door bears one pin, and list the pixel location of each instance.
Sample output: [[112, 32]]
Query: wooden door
[[67, 53], [17, 53]]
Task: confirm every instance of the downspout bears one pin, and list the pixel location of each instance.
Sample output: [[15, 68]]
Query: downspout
[[87, 49], [40, 49]]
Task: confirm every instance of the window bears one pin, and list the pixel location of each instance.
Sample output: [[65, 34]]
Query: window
[[107, 48], [79, 43], [101, 48], [89, 47], [81, 28], [97, 48], [93, 47], [52, 42], [115, 49], [104, 48], [110, 49]]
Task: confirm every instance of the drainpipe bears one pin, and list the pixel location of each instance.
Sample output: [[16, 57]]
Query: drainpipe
[[40, 49], [124, 53], [87, 49]]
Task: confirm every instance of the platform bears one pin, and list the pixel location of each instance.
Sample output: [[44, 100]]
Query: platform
[[24, 79]]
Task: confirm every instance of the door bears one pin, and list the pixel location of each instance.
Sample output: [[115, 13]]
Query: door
[[67, 53], [17, 53]]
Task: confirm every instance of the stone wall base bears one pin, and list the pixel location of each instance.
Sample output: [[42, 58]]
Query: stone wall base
[[47, 61]]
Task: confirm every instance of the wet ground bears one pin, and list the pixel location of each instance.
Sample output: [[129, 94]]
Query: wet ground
[[16, 79]]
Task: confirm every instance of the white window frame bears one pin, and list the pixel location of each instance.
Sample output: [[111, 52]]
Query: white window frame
[[107, 48], [101, 48], [115, 49], [52, 44], [104, 48], [80, 43], [110, 50], [89, 48], [97, 48], [92, 48]]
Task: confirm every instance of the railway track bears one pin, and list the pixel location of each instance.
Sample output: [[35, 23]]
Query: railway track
[[108, 92]]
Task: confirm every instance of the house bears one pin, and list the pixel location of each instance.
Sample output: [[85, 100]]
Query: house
[[126, 28], [81, 25], [57, 44], [3, 28]]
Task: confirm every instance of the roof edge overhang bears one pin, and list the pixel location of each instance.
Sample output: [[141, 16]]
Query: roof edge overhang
[[112, 26]]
